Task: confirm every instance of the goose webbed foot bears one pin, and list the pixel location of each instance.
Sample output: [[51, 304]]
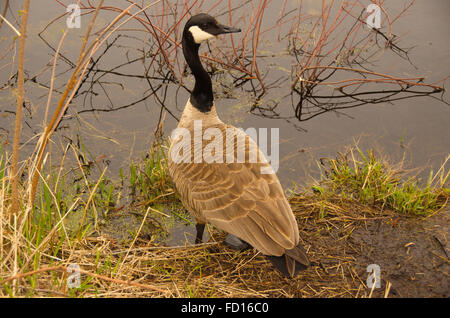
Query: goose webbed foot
[[236, 243]]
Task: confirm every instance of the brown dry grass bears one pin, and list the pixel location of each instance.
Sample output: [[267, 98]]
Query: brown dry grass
[[147, 269]]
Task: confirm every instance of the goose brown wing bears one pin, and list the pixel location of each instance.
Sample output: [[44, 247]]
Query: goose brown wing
[[239, 199]]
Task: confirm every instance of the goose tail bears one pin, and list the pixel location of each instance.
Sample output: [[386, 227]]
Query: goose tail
[[292, 262]]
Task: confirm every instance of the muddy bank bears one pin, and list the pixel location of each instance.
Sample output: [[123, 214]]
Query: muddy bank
[[412, 254]]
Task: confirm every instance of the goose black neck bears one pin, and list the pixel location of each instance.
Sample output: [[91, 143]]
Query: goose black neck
[[202, 96]]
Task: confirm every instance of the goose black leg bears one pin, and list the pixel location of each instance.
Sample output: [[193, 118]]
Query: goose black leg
[[200, 227]]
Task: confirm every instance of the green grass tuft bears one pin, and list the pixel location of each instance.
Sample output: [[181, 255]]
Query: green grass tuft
[[372, 181]]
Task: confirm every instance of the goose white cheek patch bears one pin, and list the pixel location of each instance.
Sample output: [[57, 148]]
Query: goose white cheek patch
[[199, 35]]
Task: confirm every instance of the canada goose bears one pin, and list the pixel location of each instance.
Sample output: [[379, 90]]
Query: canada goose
[[239, 197]]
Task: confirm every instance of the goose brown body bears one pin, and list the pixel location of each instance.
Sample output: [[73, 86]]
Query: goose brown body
[[241, 197]]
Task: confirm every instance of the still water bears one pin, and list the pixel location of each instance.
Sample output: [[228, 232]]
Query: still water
[[122, 128]]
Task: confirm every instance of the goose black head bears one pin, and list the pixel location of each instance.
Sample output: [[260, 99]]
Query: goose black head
[[202, 27], [199, 28]]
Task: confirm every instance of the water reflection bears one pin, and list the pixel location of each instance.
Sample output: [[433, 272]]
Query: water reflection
[[298, 63]]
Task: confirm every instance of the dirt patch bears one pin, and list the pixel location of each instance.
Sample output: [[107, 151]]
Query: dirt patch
[[412, 255]]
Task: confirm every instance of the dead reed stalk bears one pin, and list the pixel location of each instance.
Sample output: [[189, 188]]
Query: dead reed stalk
[[18, 123], [51, 126]]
